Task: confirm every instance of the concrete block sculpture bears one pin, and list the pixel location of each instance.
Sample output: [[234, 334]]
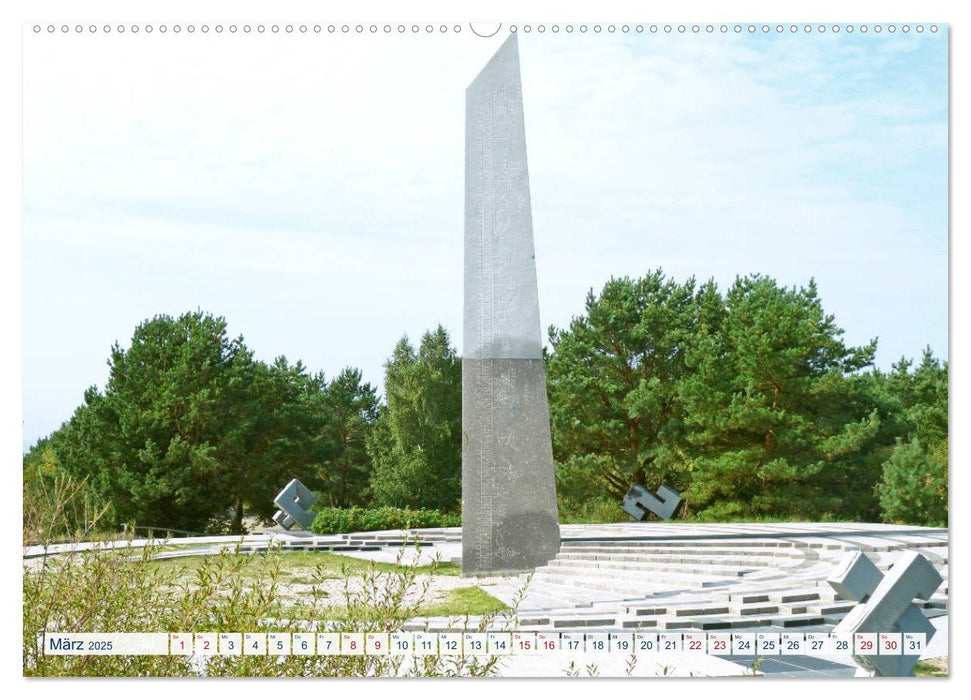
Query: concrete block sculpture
[[294, 502], [886, 604], [639, 501]]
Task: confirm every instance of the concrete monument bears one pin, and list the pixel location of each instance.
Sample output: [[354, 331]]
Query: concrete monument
[[639, 500], [294, 502], [510, 521], [886, 605]]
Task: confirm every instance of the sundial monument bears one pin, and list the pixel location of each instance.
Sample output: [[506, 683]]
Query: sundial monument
[[510, 521]]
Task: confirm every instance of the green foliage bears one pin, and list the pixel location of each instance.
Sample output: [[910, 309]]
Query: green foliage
[[613, 378], [933, 668], [353, 407], [54, 503], [773, 424], [416, 443], [913, 489], [98, 591], [460, 602], [914, 481], [278, 432], [580, 491], [58, 508], [339, 520], [190, 428], [749, 402], [127, 590], [40, 464]]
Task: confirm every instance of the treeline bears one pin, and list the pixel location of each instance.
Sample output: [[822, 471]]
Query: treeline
[[747, 401], [192, 432]]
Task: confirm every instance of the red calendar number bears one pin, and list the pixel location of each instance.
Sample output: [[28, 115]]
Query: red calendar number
[[720, 646], [866, 645], [695, 645]]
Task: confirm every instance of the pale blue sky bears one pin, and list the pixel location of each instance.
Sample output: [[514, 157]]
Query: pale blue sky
[[309, 188]]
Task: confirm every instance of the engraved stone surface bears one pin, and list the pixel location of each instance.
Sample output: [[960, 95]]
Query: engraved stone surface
[[887, 605], [509, 512], [294, 502], [639, 500]]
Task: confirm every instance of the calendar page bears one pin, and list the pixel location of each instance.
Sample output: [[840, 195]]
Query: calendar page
[[540, 347]]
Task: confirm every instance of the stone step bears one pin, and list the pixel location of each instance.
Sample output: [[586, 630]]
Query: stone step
[[612, 567], [568, 591], [533, 620], [697, 611], [800, 587], [747, 597], [753, 608], [537, 601], [681, 548], [343, 547], [835, 608], [798, 620], [822, 548], [675, 623], [583, 621], [646, 611], [770, 543], [795, 595], [543, 579], [764, 595], [685, 555], [710, 608], [664, 575], [639, 560], [722, 622], [628, 589]]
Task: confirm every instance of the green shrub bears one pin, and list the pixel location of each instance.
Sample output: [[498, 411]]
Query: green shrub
[[331, 521], [914, 485]]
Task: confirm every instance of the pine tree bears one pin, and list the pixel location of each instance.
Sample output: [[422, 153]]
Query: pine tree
[[416, 444], [773, 422], [353, 407], [613, 385]]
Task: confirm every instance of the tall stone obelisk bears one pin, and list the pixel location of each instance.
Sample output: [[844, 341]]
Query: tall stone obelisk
[[510, 521]]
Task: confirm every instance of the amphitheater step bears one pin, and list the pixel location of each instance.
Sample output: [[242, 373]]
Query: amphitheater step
[[795, 596], [831, 609], [643, 572], [577, 621], [797, 620], [633, 587], [660, 559], [754, 609]]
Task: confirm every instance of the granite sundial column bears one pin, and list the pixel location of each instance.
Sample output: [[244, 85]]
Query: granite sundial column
[[509, 513]]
